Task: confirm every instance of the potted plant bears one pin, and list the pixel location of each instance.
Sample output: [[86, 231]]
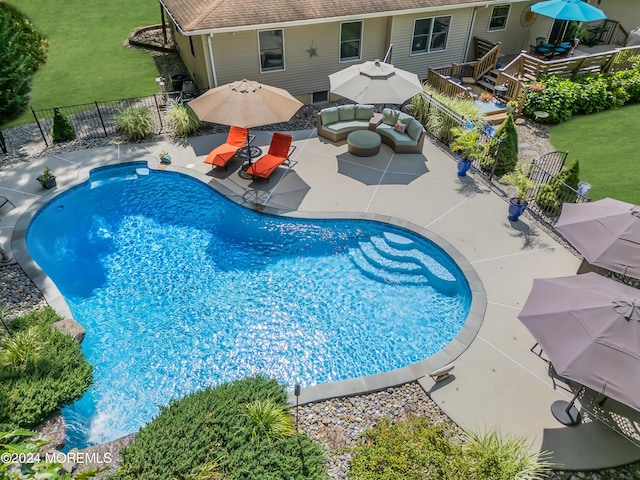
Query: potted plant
[[512, 105], [46, 178], [165, 158], [485, 97], [465, 143], [520, 180]]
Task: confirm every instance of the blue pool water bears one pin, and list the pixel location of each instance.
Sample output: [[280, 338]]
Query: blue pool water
[[179, 288]]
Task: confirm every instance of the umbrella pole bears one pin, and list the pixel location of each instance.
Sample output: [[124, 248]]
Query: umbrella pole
[[565, 412]]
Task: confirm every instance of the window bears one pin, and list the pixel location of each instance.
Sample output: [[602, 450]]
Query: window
[[499, 17], [430, 34], [350, 40], [270, 44], [320, 97]]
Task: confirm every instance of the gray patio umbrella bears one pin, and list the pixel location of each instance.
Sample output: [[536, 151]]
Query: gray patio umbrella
[[589, 327], [605, 232], [375, 82]]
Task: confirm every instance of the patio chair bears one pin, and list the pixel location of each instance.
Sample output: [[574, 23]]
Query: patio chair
[[279, 152], [237, 138]]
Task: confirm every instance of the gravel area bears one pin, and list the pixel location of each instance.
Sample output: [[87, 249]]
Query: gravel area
[[335, 423]]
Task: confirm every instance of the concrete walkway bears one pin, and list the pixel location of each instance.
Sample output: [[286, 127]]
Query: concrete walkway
[[497, 380]]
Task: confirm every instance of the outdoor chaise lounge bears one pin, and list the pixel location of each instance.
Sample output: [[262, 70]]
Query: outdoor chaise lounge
[[279, 152], [237, 138]]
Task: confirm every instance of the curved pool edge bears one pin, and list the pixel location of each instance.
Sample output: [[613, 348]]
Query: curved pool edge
[[315, 393]]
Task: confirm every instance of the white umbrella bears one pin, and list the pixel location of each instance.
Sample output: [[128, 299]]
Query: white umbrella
[[375, 82]]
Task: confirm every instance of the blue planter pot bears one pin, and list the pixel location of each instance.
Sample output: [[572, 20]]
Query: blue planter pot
[[463, 167], [516, 209]]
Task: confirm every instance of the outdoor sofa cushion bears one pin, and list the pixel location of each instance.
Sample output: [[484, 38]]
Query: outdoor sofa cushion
[[335, 123]]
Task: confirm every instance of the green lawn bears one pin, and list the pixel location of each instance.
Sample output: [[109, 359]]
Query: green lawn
[[607, 144], [87, 59]]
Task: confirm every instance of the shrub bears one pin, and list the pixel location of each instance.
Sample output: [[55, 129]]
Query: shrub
[[437, 122], [416, 449], [556, 191], [183, 120], [211, 429], [29, 447], [135, 123], [43, 370], [62, 129], [503, 150]]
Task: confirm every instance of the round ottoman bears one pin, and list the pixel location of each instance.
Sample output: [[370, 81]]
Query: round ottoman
[[363, 143]]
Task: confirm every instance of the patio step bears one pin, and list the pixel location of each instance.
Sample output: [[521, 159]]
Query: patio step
[[496, 118]]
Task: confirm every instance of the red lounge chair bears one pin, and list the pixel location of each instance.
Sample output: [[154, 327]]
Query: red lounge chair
[[280, 150], [237, 138]]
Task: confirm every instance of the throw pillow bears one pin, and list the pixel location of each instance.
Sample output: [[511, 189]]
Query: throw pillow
[[399, 127]]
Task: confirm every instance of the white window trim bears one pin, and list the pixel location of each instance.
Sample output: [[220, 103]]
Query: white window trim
[[506, 20], [446, 45], [284, 56], [340, 60]]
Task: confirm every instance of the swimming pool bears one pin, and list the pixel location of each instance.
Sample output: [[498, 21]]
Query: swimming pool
[[179, 288]]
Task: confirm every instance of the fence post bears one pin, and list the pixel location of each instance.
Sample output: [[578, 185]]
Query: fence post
[[101, 119], [40, 127], [155, 99], [3, 145]]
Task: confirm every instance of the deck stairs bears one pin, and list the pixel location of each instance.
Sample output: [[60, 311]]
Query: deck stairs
[[488, 81], [396, 259]]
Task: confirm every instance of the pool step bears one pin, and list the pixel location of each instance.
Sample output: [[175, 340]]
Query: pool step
[[373, 256], [382, 275], [439, 277]]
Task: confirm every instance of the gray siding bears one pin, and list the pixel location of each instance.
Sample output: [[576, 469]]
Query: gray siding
[[402, 37], [627, 12], [515, 37], [236, 55]]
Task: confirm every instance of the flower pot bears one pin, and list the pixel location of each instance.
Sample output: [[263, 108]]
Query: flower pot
[[48, 183], [516, 209], [463, 167]]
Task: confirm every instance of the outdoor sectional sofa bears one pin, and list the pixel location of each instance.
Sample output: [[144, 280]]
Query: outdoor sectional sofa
[[335, 124]]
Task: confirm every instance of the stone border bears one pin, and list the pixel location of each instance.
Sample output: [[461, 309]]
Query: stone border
[[343, 388]]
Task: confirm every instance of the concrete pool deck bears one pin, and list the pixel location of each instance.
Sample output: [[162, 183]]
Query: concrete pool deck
[[497, 381]]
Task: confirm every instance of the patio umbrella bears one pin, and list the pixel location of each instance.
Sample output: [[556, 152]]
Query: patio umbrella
[[245, 104], [605, 232], [589, 327], [575, 10], [375, 82]]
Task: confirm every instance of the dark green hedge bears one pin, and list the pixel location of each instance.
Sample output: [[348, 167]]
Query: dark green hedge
[[31, 391], [210, 425], [563, 98]]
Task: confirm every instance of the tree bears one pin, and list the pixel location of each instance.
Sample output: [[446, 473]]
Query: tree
[[23, 50], [507, 153], [62, 129]]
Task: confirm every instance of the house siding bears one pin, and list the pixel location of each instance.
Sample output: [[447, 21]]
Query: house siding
[[402, 38], [195, 64], [515, 37], [236, 55], [627, 12]]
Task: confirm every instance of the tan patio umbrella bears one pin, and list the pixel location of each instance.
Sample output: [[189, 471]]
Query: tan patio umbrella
[[245, 104], [375, 82], [605, 232], [589, 327]]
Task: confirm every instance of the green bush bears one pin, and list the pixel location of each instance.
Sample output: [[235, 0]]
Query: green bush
[[563, 98], [183, 120], [416, 450], [503, 149], [25, 442], [213, 429], [556, 191], [134, 123], [437, 122], [42, 371], [62, 129]]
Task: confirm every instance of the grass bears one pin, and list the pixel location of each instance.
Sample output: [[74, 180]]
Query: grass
[[607, 146], [87, 58]]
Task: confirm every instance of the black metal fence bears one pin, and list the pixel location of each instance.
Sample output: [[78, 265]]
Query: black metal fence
[[98, 119]]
